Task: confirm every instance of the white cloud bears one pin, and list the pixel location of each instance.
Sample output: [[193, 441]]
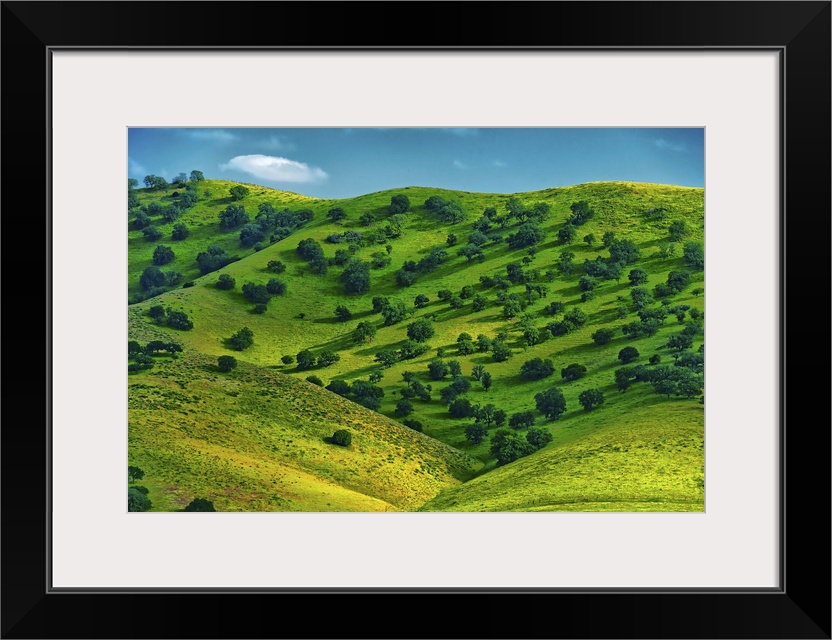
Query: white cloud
[[210, 135], [499, 163], [276, 169], [459, 165], [661, 143]]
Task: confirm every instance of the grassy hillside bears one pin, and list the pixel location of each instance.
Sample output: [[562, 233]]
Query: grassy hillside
[[304, 318], [256, 440], [646, 457]]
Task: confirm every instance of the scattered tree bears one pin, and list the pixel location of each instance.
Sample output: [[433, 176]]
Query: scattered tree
[[694, 255], [628, 354], [276, 287], [521, 420], [200, 504], [226, 282], [337, 214], [678, 230], [364, 332], [479, 302], [678, 280], [305, 359], [356, 276], [180, 231], [460, 408], [508, 446], [387, 357], [256, 293], [238, 192], [641, 297], [152, 278], [226, 363], [590, 399], [603, 336], [624, 252], [242, 340], [152, 233], [567, 234], [581, 213], [399, 203], [475, 433], [137, 501], [342, 313], [551, 403], [393, 313], [637, 277], [538, 437], [486, 381], [537, 369], [250, 235], [421, 330], [485, 414], [499, 351], [573, 372], [527, 235], [178, 320], [327, 358], [233, 216], [342, 437]]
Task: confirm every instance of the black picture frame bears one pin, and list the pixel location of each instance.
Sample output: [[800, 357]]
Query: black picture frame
[[800, 608]]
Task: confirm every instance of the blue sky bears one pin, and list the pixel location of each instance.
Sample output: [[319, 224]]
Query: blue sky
[[340, 163]]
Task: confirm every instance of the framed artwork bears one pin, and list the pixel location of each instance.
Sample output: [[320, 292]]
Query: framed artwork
[[290, 129]]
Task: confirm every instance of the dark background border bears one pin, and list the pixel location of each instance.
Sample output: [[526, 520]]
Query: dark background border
[[29, 29]]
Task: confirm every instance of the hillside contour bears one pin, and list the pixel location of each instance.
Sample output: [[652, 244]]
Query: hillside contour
[[641, 449]]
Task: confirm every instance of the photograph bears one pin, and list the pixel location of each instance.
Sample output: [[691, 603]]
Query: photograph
[[415, 319], [396, 305]]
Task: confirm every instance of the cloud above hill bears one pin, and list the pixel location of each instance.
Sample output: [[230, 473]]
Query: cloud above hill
[[276, 169]]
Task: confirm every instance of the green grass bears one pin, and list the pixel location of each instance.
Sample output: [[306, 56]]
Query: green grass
[[256, 440], [631, 417], [648, 456]]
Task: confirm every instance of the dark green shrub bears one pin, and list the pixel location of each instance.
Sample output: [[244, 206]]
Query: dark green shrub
[[226, 282], [137, 501], [342, 437], [241, 340], [200, 504], [628, 354]]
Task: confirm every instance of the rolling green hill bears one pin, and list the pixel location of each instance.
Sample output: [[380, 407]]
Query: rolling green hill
[[256, 440], [580, 469]]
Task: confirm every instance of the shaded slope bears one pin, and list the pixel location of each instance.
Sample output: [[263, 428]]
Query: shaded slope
[[256, 440], [652, 462]]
